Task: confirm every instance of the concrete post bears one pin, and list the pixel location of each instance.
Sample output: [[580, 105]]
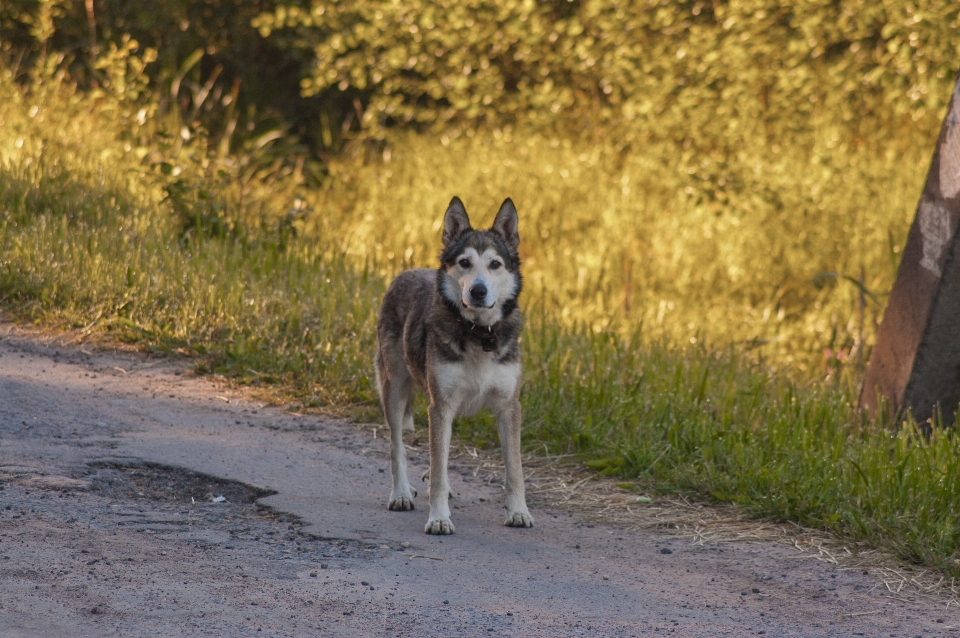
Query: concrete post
[[915, 364]]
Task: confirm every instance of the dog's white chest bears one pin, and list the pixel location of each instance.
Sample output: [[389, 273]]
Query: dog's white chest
[[476, 383]]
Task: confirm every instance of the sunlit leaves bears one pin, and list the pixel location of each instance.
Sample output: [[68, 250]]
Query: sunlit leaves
[[719, 68]]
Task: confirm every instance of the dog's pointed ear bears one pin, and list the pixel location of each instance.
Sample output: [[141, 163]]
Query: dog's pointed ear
[[455, 221], [506, 223]]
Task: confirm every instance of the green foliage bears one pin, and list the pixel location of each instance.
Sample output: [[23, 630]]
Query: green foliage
[[213, 71], [678, 70]]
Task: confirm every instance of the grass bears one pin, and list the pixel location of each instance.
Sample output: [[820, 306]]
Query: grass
[[701, 422], [92, 237], [618, 241]]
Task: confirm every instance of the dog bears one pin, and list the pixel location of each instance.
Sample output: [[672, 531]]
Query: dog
[[453, 333]]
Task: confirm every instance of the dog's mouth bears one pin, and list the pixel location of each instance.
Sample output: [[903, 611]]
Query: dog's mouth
[[477, 307]]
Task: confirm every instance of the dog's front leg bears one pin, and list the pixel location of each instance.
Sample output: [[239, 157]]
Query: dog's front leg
[[441, 422], [508, 426]]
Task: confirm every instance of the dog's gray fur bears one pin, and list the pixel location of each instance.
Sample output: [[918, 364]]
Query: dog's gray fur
[[453, 333]]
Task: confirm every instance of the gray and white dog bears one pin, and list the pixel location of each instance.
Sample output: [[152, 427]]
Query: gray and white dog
[[453, 334]]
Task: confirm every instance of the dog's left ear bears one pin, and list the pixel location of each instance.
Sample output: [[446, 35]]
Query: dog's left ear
[[506, 223]]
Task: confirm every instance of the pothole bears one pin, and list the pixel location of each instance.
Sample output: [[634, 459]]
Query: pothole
[[186, 491], [169, 484]]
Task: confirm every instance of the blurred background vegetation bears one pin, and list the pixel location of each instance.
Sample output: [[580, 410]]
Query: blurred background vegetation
[[698, 184], [716, 155], [687, 166]]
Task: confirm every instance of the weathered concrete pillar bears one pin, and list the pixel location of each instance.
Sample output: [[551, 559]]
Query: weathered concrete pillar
[[915, 363]]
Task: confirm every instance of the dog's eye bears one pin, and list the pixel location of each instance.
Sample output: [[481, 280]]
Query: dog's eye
[[495, 264], [464, 263]]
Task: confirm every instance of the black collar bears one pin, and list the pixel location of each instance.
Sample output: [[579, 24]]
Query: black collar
[[487, 336]]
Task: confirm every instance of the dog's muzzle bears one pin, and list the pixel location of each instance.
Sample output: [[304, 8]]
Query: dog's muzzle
[[478, 294]]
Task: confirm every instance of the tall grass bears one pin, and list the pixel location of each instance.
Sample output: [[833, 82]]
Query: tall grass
[[92, 237], [616, 241], [260, 312]]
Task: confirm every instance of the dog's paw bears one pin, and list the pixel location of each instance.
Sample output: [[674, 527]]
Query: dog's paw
[[518, 519], [440, 526], [402, 502]]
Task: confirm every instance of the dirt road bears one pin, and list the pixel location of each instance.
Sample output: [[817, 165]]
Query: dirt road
[[111, 463]]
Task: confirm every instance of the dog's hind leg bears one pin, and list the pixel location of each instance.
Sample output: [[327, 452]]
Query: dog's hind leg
[[394, 386], [441, 422], [508, 426]]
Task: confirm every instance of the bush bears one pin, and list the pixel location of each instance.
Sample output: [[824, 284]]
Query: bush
[[684, 70]]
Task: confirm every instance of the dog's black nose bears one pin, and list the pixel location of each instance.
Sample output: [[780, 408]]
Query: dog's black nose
[[478, 292]]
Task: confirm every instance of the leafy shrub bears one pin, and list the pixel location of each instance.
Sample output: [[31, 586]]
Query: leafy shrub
[[685, 70]]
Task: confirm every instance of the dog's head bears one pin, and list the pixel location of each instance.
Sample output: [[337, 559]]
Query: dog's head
[[480, 269]]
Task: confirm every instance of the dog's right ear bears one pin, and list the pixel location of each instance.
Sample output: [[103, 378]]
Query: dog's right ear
[[455, 222]]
